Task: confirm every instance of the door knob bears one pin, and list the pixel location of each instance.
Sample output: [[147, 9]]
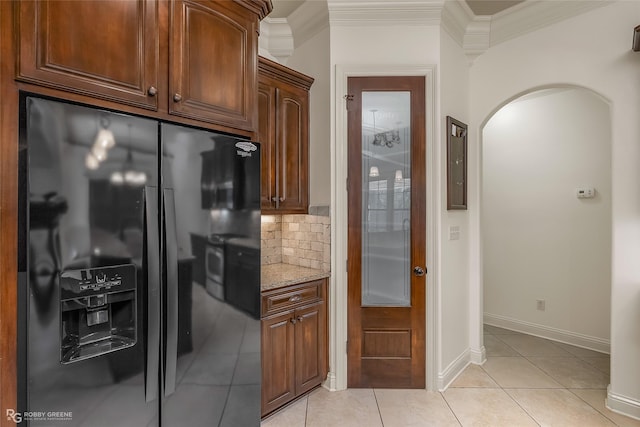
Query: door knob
[[418, 271], [152, 91], [177, 97]]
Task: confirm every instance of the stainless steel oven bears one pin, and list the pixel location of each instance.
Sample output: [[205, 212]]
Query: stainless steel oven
[[214, 264], [214, 259]]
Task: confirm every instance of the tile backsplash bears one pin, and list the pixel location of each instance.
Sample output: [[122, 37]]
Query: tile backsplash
[[303, 240], [271, 236]]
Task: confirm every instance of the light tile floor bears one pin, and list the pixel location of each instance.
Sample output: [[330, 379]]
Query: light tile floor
[[526, 381]]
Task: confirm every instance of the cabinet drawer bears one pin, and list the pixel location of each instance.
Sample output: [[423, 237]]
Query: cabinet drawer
[[290, 297]]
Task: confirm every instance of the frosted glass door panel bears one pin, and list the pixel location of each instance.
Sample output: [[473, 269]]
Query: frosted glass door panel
[[386, 198]]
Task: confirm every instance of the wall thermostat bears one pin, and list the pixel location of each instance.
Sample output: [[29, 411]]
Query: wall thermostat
[[585, 193]]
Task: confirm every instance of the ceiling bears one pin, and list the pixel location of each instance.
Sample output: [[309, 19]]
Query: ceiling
[[283, 8]]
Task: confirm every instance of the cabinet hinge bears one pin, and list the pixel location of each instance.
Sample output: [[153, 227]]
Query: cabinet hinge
[[346, 265], [346, 347], [347, 184]]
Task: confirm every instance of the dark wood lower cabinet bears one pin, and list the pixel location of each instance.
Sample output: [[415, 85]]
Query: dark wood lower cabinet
[[294, 343]]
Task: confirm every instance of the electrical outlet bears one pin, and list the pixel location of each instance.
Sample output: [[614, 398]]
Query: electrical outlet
[[540, 304]]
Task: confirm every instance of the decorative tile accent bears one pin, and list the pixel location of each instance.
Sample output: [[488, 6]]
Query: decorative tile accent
[[302, 240], [271, 239], [306, 241]]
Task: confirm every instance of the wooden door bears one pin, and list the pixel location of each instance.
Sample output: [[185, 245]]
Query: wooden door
[[309, 348], [267, 139], [213, 62], [387, 236], [278, 369], [283, 115], [104, 49], [292, 136]]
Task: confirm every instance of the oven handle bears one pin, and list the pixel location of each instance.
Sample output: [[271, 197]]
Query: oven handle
[[171, 296], [152, 259]]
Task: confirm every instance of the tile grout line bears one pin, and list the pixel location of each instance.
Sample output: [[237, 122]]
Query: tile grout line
[[505, 391], [590, 405], [570, 356], [378, 406], [450, 408]]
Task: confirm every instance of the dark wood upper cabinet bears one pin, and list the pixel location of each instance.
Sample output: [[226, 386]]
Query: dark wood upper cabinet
[[283, 130], [266, 136], [213, 53], [104, 49], [192, 59]]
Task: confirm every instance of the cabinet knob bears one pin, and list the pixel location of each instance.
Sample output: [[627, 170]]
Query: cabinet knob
[[281, 199], [293, 320], [295, 298], [300, 318], [152, 91], [177, 97]]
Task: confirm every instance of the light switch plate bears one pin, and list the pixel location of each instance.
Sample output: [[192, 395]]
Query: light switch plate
[[454, 232]]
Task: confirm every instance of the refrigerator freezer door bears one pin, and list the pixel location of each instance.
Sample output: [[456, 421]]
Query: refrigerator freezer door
[[218, 346], [85, 281]]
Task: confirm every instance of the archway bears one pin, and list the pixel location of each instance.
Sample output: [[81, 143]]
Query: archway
[[546, 252]]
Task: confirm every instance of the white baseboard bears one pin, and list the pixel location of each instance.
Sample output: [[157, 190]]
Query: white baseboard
[[330, 382], [622, 404], [479, 356], [567, 337], [454, 369]]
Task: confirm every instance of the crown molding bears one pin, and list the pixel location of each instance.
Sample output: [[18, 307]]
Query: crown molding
[[385, 12], [477, 38], [308, 20], [276, 38], [532, 15], [456, 16], [475, 34], [260, 7], [471, 32]]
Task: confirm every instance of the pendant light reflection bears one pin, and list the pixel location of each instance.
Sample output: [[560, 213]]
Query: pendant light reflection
[[91, 162], [128, 175], [103, 142], [374, 172], [399, 175]]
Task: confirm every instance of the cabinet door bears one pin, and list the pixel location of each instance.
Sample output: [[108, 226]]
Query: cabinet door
[[278, 385], [266, 137], [292, 139], [309, 347], [213, 62], [104, 49]]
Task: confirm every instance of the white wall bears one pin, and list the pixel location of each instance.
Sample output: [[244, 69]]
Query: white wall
[[454, 254], [541, 241], [312, 58], [591, 50]]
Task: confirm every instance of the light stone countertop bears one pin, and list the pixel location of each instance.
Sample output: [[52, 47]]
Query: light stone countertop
[[275, 276]]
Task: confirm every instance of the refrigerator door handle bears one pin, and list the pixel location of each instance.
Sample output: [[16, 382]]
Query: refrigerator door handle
[[152, 255], [171, 245]]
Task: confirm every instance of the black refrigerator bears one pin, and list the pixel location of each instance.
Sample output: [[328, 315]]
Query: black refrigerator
[[114, 328]]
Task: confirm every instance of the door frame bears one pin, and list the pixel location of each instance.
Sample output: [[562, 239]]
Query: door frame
[[337, 378]]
